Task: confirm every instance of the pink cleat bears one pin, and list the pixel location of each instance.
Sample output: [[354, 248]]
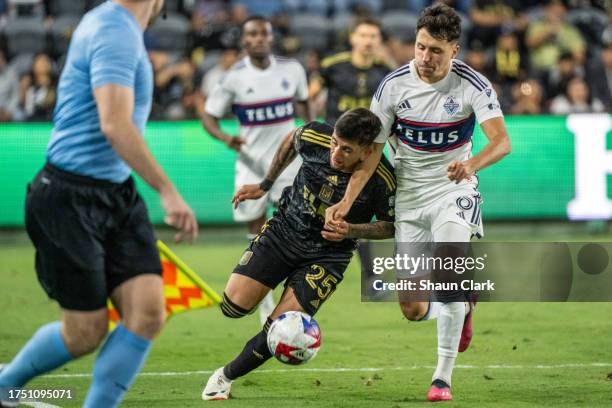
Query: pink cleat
[[439, 394], [466, 332]]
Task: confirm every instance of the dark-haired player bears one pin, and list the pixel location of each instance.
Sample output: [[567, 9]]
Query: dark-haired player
[[261, 90], [292, 246], [429, 108]]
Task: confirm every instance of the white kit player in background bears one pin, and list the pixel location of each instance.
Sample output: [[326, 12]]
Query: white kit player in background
[[261, 90], [429, 108]]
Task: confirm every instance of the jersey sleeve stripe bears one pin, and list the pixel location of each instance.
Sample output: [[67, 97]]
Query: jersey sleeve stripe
[[386, 179], [385, 170], [479, 77], [467, 78], [394, 74], [313, 133], [316, 141], [320, 139]]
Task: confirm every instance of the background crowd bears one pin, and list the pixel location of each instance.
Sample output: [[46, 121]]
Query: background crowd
[[542, 56]]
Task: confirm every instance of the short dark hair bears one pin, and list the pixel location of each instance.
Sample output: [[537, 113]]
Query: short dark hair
[[441, 21], [253, 18], [366, 21], [359, 125]]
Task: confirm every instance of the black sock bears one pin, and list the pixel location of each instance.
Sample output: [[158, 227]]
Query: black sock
[[440, 384], [254, 354]]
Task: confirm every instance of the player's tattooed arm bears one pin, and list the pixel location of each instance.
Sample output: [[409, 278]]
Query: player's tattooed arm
[[343, 230], [283, 157], [285, 154]]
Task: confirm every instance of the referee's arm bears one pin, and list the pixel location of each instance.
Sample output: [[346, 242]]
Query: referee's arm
[[115, 109]]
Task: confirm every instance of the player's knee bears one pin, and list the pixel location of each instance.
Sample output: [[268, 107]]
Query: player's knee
[[232, 310], [84, 338], [412, 311]]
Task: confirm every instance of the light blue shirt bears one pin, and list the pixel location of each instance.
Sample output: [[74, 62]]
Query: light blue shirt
[[107, 47]]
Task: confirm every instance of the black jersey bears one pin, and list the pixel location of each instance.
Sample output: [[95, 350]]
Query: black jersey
[[318, 186], [348, 86]]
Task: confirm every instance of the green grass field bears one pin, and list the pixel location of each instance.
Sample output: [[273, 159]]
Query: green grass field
[[522, 355]]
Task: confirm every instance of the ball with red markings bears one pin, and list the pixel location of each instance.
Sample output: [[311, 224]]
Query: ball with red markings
[[294, 338]]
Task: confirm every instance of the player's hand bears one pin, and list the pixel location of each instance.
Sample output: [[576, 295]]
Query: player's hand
[[337, 231], [179, 215], [335, 213], [247, 192], [459, 170], [235, 143]]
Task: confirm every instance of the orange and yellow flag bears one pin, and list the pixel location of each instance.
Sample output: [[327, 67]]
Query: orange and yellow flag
[[183, 288]]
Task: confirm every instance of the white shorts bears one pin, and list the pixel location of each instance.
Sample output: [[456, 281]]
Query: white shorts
[[254, 173], [424, 224]]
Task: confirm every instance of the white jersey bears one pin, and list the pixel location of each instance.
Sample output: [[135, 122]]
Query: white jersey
[[262, 100], [431, 125]]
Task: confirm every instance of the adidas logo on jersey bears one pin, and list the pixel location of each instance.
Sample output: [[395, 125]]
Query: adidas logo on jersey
[[333, 180], [404, 105]]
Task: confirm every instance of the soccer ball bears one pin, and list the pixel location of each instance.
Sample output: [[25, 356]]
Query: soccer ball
[[294, 338]]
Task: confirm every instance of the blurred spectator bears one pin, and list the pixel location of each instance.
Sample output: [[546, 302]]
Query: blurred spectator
[[173, 86], [213, 76], [600, 76], [527, 98], [477, 58], [38, 93], [548, 39], [401, 48], [577, 98], [489, 17], [560, 75], [9, 90], [211, 32], [509, 65]]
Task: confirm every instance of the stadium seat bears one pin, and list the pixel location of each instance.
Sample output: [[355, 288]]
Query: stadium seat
[[25, 35], [68, 7], [61, 31], [170, 34], [172, 5], [311, 29], [341, 24], [399, 22], [590, 21], [22, 63], [388, 5]]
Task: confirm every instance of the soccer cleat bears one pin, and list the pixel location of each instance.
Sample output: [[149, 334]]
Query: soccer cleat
[[218, 387], [5, 402], [439, 391], [466, 332]]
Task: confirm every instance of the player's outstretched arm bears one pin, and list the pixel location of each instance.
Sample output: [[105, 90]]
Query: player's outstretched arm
[[211, 125], [497, 147], [304, 111], [358, 180], [115, 107], [285, 154], [340, 230]]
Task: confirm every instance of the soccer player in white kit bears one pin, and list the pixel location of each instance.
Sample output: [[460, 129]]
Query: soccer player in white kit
[[429, 108], [260, 89]]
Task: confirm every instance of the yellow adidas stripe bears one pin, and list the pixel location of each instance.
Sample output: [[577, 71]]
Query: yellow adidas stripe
[[335, 59], [317, 135], [387, 172], [315, 141], [386, 179]]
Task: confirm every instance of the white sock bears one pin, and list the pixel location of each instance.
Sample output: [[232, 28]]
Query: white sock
[[450, 323], [266, 307], [433, 311]]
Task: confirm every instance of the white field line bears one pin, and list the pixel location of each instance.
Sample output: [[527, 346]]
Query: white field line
[[36, 404], [350, 370]]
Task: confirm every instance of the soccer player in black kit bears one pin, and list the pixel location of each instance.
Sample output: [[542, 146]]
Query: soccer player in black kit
[[293, 246]]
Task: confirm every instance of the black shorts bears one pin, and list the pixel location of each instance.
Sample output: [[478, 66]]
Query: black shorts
[[313, 275], [90, 236]]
